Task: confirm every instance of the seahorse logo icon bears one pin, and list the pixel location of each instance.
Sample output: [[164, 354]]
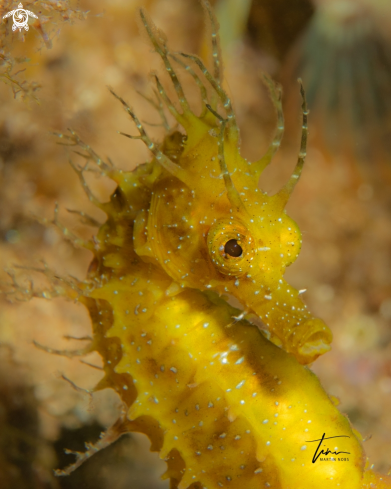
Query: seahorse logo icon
[[20, 16]]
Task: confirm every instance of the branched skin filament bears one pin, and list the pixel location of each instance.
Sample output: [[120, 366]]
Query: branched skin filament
[[223, 405]]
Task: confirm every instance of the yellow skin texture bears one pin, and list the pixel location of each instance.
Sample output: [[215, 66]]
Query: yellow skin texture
[[223, 405]]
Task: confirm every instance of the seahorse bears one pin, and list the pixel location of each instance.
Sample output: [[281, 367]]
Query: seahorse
[[224, 403]]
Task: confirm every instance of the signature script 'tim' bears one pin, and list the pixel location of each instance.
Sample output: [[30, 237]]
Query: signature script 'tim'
[[317, 454]]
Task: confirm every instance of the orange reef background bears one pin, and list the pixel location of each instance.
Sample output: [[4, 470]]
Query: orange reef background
[[342, 203]]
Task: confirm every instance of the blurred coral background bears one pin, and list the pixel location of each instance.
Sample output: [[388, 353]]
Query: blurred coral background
[[341, 49]]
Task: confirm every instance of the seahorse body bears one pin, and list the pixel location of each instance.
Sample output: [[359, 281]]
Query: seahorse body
[[223, 405]]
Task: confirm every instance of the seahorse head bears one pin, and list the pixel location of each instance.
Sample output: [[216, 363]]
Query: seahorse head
[[208, 225]]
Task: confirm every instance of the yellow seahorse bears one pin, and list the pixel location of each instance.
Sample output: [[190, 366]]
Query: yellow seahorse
[[221, 403]]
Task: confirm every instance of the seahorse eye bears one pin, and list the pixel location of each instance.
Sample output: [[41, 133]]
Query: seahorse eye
[[233, 248]]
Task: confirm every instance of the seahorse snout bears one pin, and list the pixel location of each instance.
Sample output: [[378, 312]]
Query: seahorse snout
[[313, 339]]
